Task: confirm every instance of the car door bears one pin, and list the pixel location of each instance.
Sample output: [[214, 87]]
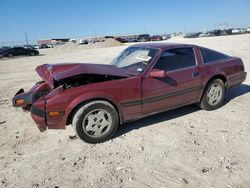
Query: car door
[[14, 51], [180, 86], [17, 51], [23, 51]]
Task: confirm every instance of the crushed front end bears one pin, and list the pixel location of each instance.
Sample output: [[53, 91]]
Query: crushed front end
[[34, 102]]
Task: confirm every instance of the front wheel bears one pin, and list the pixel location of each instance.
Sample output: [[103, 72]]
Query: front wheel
[[95, 121], [213, 95]]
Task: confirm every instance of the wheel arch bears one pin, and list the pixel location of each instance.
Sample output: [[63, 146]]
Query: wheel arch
[[73, 111], [218, 76]]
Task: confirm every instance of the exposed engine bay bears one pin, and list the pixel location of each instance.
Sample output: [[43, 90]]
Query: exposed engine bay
[[84, 79]]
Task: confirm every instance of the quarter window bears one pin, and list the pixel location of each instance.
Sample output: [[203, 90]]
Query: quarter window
[[210, 55], [176, 59]]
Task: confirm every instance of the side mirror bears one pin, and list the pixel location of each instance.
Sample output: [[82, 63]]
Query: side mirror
[[156, 73]]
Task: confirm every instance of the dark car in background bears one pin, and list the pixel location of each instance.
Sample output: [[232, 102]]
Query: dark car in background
[[121, 40], [192, 35], [16, 51], [218, 32], [144, 37], [2, 51], [156, 38]]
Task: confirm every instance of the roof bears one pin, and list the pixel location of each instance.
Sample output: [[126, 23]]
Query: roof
[[163, 45]]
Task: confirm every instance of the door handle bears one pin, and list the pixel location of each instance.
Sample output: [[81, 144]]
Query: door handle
[[195, 74]]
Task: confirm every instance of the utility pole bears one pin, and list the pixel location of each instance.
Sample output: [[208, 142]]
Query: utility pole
[[26, 38], [95, 33]]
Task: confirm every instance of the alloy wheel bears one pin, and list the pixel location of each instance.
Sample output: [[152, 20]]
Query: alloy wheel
[[97, 123]]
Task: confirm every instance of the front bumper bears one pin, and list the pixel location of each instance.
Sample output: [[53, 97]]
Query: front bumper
[[32, 103], [39, 116], [28, 97]]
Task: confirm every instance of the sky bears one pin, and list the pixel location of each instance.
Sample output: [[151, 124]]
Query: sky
[[42, 19]]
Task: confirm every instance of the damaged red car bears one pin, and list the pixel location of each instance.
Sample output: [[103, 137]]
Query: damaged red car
[[144, 79]]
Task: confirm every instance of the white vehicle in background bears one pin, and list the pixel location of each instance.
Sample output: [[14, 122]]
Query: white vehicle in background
[[204, 34], [82, 41], [37, 46], [243, 30], [248, 29], [166, 37], [239, 31], [236, 31], [50, 45], [73, 40]]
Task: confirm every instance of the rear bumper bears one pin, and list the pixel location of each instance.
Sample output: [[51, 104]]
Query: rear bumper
[[236, 79]]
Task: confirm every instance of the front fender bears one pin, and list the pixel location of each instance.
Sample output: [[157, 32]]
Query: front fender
[[86, 97]]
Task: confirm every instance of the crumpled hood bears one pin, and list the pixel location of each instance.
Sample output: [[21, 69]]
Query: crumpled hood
[[52, 73]]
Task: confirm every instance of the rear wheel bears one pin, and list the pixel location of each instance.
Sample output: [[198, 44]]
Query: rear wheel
[[95, 122], [213, 95], [32, 53]]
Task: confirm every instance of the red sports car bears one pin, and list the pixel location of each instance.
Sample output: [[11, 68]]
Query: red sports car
[[143, 80]]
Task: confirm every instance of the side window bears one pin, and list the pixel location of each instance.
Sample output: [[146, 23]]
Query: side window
[[177, 58], [210, 55]]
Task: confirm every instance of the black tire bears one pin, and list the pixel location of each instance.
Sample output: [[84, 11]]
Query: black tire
[[10, 55], [32, 53], [206, 102], [85, 111]]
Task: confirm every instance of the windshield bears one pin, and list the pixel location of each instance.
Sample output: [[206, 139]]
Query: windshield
[[135, 59]]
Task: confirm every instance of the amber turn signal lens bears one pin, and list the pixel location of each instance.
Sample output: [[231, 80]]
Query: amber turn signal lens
[[57, 113], [19, 101]]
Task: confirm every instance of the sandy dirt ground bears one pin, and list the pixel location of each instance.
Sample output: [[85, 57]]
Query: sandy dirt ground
[[186, 147]]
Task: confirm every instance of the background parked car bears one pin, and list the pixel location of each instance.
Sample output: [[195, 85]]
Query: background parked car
[[121, 40], [156, 38], [16, 51], [28, 46], [192, 35], [236, 31], [144, 37], [166, 37], [132, 40], [44, 46], [205, 34], [83, 41], [217, 32], [37, 46], [248, 29], [1, 55], [50, 45], [2, 51]]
